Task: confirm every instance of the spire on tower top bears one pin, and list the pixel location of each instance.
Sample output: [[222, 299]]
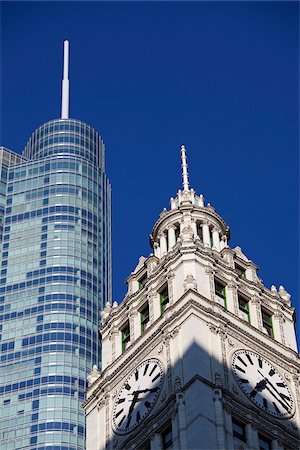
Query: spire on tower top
[[65, 84], [185, 176]]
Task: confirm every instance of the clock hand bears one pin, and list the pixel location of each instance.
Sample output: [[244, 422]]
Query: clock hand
[[279, 401], [134, 400], [142, 391], [260, 386], [269, 382]]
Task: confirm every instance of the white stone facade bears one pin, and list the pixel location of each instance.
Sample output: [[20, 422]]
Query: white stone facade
[[192, 305]]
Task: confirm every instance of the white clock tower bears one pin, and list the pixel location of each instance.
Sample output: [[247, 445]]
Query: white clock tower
[[200, 354]]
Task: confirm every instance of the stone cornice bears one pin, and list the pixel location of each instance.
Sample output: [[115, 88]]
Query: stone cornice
[[211, 314]]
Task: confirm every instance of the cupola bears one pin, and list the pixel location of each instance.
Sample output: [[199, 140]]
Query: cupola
[[189, 218]]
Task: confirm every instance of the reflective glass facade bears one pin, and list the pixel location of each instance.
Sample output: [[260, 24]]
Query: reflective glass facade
[[55, 279]]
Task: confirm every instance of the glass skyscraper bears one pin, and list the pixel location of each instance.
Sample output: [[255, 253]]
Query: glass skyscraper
[[55, 225]]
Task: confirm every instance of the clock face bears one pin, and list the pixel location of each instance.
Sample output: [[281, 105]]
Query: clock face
[[137, 396], [262, 383]]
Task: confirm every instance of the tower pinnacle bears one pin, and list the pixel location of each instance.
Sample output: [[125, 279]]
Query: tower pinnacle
[[185, 176], [65, 84]]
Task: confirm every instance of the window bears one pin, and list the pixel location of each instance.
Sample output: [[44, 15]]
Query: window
[[200, 231], [220, 293], [166, 437], [144, 317], [244, 308], [142, 281], [164, 299], [239, 430], [241, 271], [267, 322], [264, 442], [125, 333]]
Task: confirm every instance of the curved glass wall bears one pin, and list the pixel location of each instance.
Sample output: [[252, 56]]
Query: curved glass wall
[[55, 280]]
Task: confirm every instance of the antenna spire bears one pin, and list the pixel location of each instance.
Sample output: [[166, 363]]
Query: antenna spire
[[65, 84], [185, 176]]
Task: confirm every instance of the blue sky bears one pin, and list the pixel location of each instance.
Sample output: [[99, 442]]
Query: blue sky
[[219, 77]]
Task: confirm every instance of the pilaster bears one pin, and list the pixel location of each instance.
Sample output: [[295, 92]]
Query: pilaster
[[255, 311], [163, 244], [231, 297], [216, 239], [171, 237], [206, 235]]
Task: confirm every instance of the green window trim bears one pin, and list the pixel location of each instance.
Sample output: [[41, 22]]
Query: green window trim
[[220, 291], [164, 300], [267, 322], [144, 318], [244, 307], [125, 336]]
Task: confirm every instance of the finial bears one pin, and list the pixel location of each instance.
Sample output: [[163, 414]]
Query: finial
[[65, 84], [185, 176]]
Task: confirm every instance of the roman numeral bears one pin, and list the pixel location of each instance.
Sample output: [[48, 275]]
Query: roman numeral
[[121, 400], [253, 393], [136, 375], [147, 404], [260, 363], [122, 420], [146, 368], [284, 397], [128, 422], [240, 369], [243, 362], [243, 380], [155, 378], [138, 416], [119, 412], [276, 407], [152, 370], [250, 360], [272, 372], [280, 384], [127, 387], [265, 403]]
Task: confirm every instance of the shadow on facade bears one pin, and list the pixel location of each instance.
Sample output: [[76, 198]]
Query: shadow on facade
[[202, 406]]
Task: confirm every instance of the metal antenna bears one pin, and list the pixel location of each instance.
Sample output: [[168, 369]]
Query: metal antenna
[[65, 84], [185, 176]]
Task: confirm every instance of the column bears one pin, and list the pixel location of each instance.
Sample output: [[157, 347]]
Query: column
[[231, 299], [255, 313], [277, 322], [181, 422], [155, 442], [163, 244], [156, 250], [251, 437], [154, 306], [219, 419], [223, 242], [171, 236], [194, 227], [228, 428], [206, 235], [216, 240]]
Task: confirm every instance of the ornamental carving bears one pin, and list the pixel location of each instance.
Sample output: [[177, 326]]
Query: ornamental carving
[[190, 282], [177, 385]]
